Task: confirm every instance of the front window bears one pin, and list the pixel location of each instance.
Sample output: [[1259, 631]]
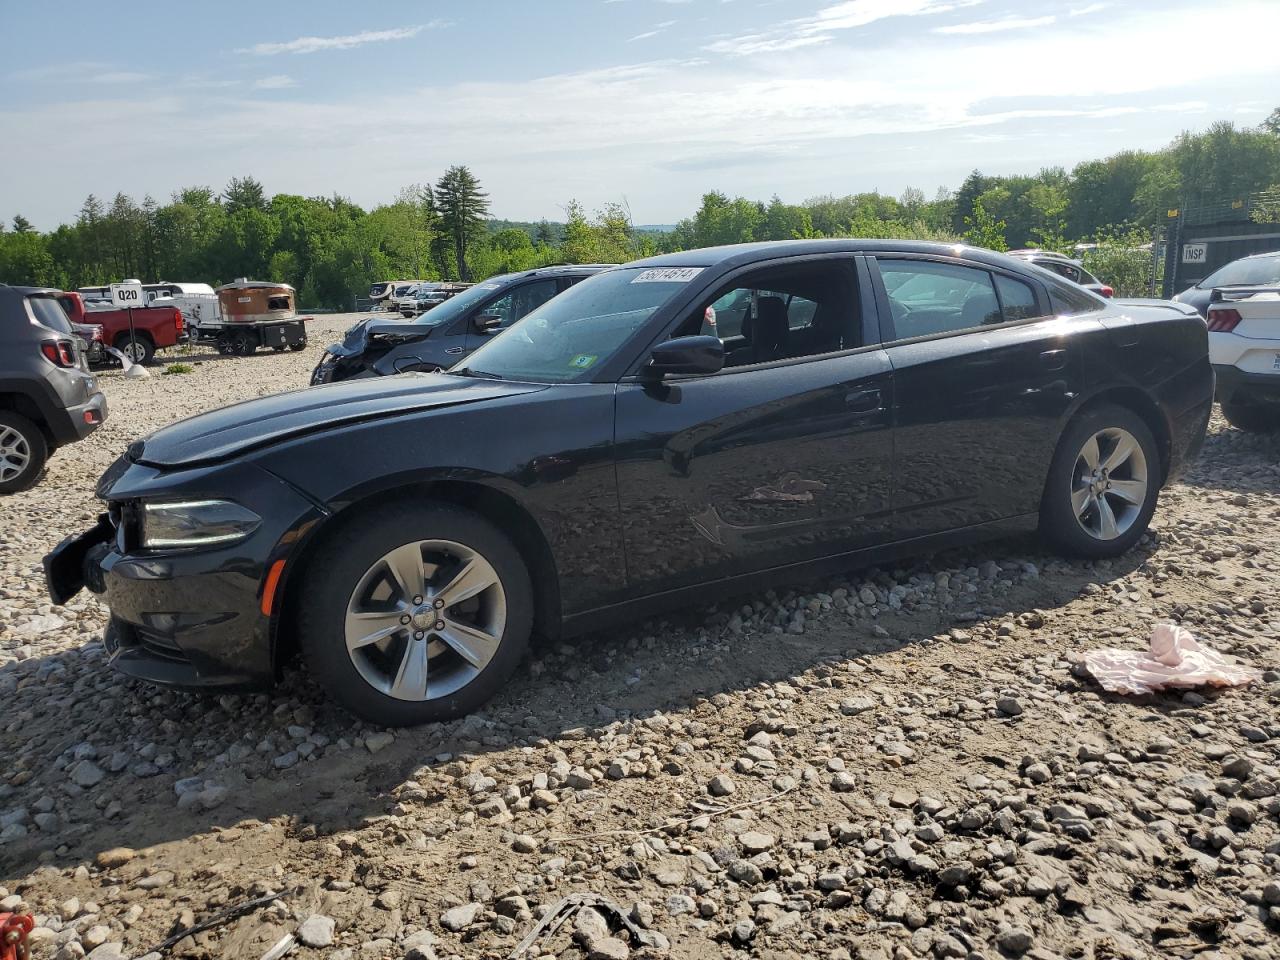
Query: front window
[[571, 336], [928, 298], [521, 301], [1254, 272]]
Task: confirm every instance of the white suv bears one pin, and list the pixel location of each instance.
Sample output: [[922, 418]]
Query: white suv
[[1244, 348]]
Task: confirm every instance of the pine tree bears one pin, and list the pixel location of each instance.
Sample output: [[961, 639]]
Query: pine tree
[[463, 207], [21, 224]]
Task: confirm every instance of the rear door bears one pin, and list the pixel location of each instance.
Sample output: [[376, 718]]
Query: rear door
[[786, 455], [982, 376]]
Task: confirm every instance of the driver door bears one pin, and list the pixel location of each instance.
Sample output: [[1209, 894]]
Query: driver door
[[783, 456]]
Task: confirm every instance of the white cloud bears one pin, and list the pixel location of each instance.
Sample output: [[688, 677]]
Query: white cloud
[[313, 44], [846, 116], [279, 81], [1086, 10], [995, 26], [823, 25]]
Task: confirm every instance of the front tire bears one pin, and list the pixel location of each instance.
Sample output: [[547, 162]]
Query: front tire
[[23, 452], [415, 614], [1103, 484], [1252, 417]]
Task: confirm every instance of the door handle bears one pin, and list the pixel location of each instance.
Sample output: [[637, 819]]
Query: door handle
[[1054, 359], [863, 401]]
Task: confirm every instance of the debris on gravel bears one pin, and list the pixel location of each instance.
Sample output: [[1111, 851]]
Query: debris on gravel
[[899, 762]]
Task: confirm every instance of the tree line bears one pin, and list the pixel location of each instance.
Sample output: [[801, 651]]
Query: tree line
[[331, 249]]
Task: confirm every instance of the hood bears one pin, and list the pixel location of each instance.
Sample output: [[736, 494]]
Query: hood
[[357, 336], [220, 434]]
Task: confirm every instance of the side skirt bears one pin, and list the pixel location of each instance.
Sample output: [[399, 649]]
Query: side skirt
[[715, 590]]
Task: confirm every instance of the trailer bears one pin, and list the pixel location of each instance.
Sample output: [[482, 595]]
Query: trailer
[[253, 314]]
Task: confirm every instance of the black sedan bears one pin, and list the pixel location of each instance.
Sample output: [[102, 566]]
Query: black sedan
[[662, 433], [449, 331]]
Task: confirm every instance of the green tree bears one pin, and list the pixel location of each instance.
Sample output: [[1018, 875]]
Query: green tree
[[244, 193], [1272, 123], [463, 207], [983, 230], [21, 224]]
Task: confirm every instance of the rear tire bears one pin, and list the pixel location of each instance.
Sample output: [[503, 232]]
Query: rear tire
[[1252, 417], [23, 452], [1103, 484], [363, 585], [141, 350]]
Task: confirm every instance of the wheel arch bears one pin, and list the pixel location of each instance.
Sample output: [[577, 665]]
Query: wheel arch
[[498, 507], [1142, 404], [26, 405]]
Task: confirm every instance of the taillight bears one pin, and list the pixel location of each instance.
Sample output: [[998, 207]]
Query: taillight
[[61, 353], [177, 321], [1107, 291], [1223, 319]]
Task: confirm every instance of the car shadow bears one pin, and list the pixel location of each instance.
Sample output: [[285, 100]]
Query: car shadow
[[570, 690], [1232, 460]]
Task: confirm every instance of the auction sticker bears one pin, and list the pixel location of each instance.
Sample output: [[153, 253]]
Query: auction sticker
[[583, 360], [667, 275]]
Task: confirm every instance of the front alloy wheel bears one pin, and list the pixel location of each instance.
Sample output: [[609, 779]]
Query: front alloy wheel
[[410, 612], [425, 620]]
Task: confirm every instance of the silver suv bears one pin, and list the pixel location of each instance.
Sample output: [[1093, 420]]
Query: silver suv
[[48, 398]]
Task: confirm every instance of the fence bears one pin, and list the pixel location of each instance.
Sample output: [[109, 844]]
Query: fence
[[1207, 236]]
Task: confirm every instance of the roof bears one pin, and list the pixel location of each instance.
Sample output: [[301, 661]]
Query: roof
[[255, 285], [571, 267], [745, 253], [29, 291]]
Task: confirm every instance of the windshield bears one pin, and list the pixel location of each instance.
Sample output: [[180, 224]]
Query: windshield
[[463, 302], [569, 337], [1254, 272]]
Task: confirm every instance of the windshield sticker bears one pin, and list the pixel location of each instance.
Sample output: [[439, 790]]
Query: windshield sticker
[[583, 360], [667, 275]]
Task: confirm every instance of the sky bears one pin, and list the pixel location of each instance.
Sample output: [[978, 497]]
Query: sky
[[647, 102]]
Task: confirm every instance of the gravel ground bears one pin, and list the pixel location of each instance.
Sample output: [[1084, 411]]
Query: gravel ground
[[906, 762]]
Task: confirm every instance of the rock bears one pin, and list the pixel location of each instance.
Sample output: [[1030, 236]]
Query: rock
[[115, 857], [316, 931], [108, 951], [87, 774], [524, 844], [851, 706], [745, 872], [459, 918], [754, 842], [844, 782], [608, 948], [419, 945], [95, 936], [379, 741], [1016, 940], [1009, 706], [742, 931], [1238, 768], [721, 785]]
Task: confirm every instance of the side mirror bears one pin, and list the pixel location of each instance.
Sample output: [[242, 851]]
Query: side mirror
[[687, 355], [487, 322]]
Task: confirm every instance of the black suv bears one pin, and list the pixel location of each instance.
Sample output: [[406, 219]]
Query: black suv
[[441, 337], [47, 396]]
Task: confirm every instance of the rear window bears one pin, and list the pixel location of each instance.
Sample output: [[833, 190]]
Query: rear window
[[49, 312]]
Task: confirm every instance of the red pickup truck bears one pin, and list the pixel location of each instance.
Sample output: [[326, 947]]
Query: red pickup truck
[[154, 328]]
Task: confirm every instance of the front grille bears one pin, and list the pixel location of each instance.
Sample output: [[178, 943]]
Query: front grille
[[139, 638]]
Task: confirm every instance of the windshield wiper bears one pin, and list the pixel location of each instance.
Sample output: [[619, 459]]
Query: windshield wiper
[[479, 374]]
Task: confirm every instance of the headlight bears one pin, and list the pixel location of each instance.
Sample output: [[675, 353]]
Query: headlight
[[195, 523]]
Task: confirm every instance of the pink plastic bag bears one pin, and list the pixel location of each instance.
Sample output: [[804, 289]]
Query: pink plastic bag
[[1175, 660]]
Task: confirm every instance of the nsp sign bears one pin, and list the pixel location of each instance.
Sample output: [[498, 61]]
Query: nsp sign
[[127, 295], [1194, 252]]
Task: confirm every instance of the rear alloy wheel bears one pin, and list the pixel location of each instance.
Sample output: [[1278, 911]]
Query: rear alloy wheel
[[1252, 417], [138, 349], [23, 452], [405, 631], [1103, 484]]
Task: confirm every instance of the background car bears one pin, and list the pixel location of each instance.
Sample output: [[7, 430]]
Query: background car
[[48, 399], [1064, 266], [449, 331], [1244, 347], [614, 453], [1258, 270]]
